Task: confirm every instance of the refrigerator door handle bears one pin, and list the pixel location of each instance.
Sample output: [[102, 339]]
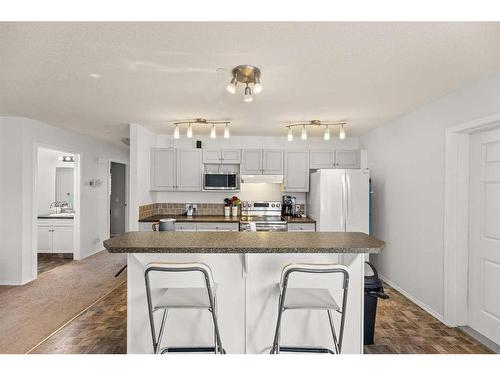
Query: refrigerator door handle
[[344, 202], [348, 199]]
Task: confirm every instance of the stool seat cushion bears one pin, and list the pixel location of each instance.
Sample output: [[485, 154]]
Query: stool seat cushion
[[181, 298], [310, 298]]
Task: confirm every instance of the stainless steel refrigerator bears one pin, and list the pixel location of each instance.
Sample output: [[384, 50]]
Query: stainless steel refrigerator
[[338, 200]]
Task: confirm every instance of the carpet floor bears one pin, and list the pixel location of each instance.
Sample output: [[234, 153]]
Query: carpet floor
[[31, 312]]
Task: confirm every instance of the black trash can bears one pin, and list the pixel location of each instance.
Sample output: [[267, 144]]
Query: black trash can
[[373, 291]]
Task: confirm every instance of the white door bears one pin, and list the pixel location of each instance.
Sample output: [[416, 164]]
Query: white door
[[484, 242], [358, 190], [163, 169], [62, 239], [44, 238], [333, 189]]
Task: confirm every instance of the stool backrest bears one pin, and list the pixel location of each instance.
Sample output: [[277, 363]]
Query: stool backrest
[[181, 267], [314, 268]]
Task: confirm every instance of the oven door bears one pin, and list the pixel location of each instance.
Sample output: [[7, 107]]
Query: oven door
[[221, 181]]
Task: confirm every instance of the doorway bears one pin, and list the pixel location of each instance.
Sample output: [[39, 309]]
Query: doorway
[[117, 198], [484, 241], [472, 228], [56, 219]]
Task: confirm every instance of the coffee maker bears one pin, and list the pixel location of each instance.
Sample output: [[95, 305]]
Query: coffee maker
[[288, 206]]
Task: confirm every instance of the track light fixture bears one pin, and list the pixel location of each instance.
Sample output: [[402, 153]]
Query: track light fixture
[[200, 121], [316, 123], [248, 75]]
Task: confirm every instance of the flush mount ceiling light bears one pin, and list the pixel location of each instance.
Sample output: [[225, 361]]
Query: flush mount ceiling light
[[316, 123], [67, 158], [247, 75], [201, 121]]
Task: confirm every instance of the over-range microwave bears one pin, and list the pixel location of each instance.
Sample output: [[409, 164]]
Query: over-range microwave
[[221, 181]]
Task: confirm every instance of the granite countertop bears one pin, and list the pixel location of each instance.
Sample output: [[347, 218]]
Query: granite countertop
[[49, 216], [216, 219], [244, 242], [194, 218]]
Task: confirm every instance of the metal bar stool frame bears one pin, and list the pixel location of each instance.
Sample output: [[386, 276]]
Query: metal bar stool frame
[[311, 268], [182, 267]]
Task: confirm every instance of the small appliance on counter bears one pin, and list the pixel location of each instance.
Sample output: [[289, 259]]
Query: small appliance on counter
[[289, 206]]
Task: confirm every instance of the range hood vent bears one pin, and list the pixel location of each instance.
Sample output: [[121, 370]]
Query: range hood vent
[[262, 178]]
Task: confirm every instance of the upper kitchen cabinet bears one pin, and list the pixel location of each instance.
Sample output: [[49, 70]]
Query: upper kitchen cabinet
[[163, 163], [272, 161], [321, 159], [262, 161], [251, 162], [347, 159], [296, 177], [341, 159], [221, 156], [176, 169], [189, 170]]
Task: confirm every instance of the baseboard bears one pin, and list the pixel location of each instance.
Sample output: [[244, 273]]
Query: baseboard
[[415, 300], [95, 251], [16, 282]]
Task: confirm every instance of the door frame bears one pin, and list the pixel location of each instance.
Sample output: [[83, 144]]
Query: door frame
[[456, 217], [127, 179], [76, 219]]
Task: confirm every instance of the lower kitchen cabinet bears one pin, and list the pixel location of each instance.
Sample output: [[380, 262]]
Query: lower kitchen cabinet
[[217, 227], [301, 227], [55, 236], [185, 227]]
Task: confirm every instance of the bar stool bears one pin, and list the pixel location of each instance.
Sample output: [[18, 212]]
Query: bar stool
[[182, 298], [311, 299]]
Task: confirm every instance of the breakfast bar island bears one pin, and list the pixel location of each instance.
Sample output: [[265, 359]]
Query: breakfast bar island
[[246, 268]]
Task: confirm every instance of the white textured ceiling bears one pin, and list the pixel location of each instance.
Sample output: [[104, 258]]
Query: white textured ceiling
[[154, 73]]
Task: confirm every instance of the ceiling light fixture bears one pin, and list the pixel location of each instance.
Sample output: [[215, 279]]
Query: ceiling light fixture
[[248, 75], [200, 121], [67, 158], [317, 123]]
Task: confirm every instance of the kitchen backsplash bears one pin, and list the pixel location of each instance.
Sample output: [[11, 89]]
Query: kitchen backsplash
[[178, 208]]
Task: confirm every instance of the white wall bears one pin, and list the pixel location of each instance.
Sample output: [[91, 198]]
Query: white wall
[[141, 140], [406, 164], [48, 161], [21, 136]]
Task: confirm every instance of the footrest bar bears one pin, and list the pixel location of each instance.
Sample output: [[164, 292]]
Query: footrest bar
[[305, 349], [190, 349]]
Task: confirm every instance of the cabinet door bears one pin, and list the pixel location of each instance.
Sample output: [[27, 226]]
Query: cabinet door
[[189, 169], [296, 171], [251, 162], [304, 227], [272, 161], [212, 156], [217, 227], [163, 169], [231, 156], [185, 227], [44, 238], [321, 159], [62, 239], [347, 159]]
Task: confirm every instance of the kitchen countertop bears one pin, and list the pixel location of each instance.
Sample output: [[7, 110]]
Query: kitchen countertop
[[244, 242], [48, 216], [216, 219]]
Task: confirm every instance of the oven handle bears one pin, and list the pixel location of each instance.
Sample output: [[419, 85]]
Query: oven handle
[[264, 228]]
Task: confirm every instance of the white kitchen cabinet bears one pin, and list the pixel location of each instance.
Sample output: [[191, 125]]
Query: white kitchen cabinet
[[189, 170], [176, 169], [262, 161], [185, 227], [251, 162], [217, 227], [163, 163], [55, 236], [321, 159], [347, 159], [301, 227], [272, 161], [341, 159], [145, 227], [221, 156], [296, 177]]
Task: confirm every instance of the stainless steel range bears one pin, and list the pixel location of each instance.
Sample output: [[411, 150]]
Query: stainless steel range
[[265, 215]]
